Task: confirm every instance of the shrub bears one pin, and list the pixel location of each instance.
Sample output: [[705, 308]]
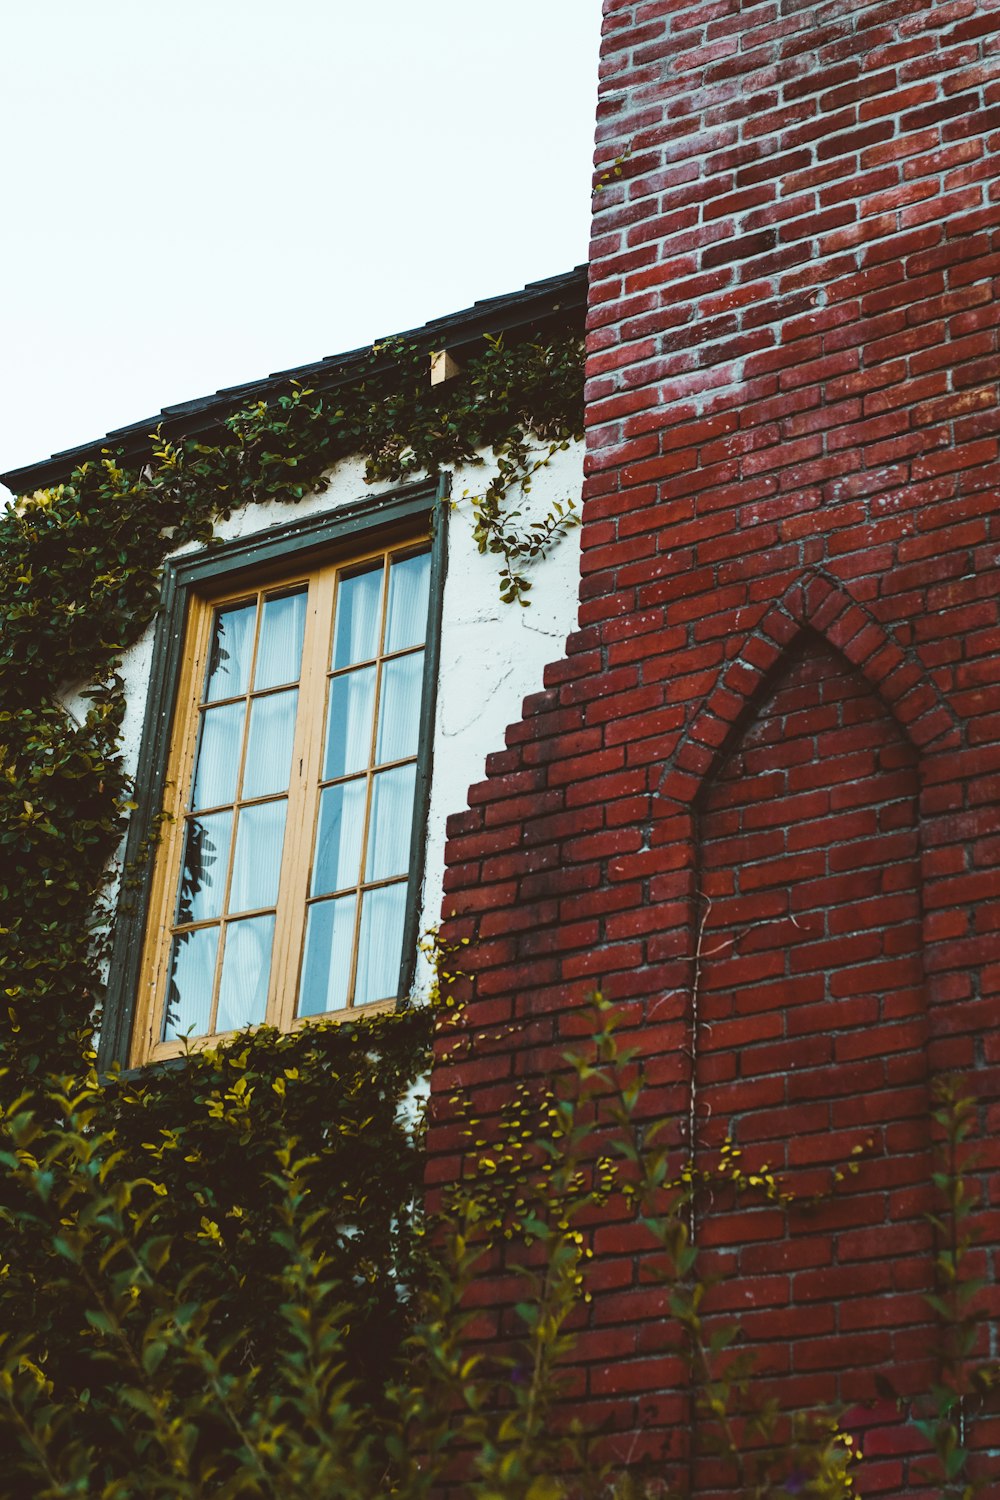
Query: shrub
[[256, 1303]]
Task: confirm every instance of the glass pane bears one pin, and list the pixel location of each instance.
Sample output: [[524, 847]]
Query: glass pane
[[218, 760], [246, 969], [409, 580], [269, 747], [380, 944], [338, 840], [206, 860], [391, 823], [230, 652], [189, 989], [326, 969], [279, 650], [349, 723], [355, 636], [259, 839], [399, 708]]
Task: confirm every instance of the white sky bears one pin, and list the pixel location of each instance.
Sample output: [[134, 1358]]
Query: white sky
[[200, 192]]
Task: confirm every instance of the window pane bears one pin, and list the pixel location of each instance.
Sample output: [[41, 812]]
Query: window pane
[[391, 823], [246, 969], [206, 860], [230, 652], [279, 650], [380, 944], [399, 708], [259, 839], [218, 756], [338, 840], [189, 988], [409, 580], [269, 748], [355, 636], [326, 970], [349, 723]]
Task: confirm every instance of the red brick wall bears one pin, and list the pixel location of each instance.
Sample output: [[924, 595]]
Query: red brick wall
[[757, 801], [812, 1022]]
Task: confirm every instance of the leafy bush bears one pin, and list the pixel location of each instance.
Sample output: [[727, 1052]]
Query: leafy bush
[[164, 1233], [254, 1302]]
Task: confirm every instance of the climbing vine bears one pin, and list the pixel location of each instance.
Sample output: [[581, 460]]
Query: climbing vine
[[194, 1151], [79, 576]]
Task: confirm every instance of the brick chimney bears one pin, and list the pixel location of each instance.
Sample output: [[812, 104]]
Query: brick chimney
[[757, 801]]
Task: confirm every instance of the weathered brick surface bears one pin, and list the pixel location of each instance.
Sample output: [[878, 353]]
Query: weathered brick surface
[[757, 801]]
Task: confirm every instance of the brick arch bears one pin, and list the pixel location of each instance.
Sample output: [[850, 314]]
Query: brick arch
[[808, 1016], [819, 604], [805, 1285]]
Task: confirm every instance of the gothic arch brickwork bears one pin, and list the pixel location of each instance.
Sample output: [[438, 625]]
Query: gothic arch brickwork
[[793, 435], [809, 1034]]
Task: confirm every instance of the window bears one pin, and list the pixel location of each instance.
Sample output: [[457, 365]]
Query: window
[[294, 774]]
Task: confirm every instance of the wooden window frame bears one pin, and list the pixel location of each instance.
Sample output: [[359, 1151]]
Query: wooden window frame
[[192, 584]]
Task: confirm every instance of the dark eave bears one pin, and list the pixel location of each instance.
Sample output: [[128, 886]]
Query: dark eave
[[539, 306]]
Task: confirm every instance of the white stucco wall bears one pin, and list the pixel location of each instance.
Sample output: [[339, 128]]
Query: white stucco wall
[[492, 654]]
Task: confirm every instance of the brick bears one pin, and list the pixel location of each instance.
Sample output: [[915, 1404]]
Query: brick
[[792, 376]]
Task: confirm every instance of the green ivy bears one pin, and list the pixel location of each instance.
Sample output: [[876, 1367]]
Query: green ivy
[[146, 1259], [79, 581], [201, 1294], [176, 1173]]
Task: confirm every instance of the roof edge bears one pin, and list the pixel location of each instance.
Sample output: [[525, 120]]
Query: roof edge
[[556, 298]]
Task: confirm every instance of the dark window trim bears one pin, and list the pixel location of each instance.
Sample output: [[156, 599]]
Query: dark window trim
[[309, 541]]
